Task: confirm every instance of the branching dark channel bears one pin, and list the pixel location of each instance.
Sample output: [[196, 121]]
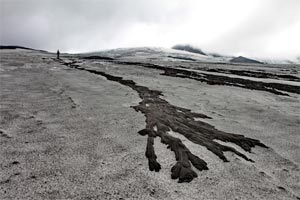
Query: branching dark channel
[[162, 117], [212, 79]]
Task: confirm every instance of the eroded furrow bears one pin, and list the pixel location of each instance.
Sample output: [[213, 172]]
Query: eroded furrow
[[162, 117]]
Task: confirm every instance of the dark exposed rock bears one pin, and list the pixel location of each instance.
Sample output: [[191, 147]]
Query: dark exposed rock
[[150, 154], [4, 135], [15, 163], [32, 177], [162, 117], [281, 188], [98, 58], [256, 74], [275, 88], [182, 58]]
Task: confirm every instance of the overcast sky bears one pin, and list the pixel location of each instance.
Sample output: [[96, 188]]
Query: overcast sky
[[256, 28]]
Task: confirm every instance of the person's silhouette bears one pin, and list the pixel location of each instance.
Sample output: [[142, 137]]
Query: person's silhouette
[[57, 53]]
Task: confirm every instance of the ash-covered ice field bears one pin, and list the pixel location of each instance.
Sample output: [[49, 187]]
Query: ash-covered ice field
[[147, 123]]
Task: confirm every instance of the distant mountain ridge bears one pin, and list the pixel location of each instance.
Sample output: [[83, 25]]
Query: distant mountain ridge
[[14, 47], [242, 59], [196, 50], [186, 53], [232, 59], [19, 47]]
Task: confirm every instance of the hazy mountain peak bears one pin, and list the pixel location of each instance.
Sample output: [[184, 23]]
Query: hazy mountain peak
[[189, 48], [242, 59]]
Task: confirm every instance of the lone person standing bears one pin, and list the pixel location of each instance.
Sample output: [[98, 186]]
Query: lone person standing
[[57, 53]]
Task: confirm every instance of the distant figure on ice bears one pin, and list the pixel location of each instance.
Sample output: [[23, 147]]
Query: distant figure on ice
[[57, 53]]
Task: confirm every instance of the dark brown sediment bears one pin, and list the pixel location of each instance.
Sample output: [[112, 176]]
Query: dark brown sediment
[[162, 117], [97, 58], [255, 74], [212, 79]]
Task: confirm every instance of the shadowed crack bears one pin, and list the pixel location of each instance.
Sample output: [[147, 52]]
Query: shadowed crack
[[162, 117]]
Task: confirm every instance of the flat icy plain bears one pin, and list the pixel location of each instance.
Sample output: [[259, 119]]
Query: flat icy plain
[[67, 133]]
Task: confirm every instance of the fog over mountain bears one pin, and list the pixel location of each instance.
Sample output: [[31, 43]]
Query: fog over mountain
[[264, 29]]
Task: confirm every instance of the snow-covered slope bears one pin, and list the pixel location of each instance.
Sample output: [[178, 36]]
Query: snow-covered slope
[[167, 54]]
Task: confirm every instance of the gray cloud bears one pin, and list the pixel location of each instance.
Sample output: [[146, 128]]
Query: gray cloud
[[85, 25], [273, 17], [49, 24]]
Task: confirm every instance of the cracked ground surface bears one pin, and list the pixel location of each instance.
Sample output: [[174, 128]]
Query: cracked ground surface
[[72, 134]]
